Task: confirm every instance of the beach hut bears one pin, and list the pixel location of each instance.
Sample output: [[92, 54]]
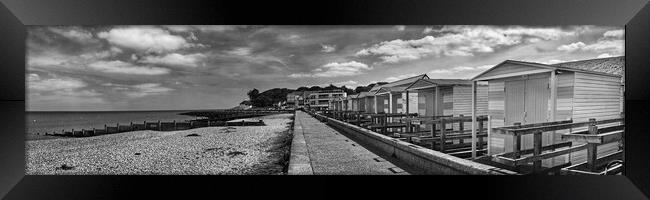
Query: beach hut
[[391, 97], [448, 97], [437, 97], [364, 100], [526, 93], [354, 104]]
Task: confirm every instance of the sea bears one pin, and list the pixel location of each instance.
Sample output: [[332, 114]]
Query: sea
[[37, 123]]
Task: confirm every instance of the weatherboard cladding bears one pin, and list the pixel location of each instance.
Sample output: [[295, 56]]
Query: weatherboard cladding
[[583, 92]]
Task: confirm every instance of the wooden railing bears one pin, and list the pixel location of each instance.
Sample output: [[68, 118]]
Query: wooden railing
[[592, 137], [440, 135], [406, 127]]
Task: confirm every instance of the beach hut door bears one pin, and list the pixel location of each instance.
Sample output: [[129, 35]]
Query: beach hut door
[[536, 101], [514, 102]]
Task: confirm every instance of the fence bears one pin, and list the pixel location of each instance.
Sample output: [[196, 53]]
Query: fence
[[447, 134], [589, 140], [154, 126]]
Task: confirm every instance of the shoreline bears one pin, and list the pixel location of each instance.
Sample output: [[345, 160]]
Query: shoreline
[[201, 151]]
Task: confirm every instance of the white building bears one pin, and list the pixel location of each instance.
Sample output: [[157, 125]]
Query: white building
[[320, 100]]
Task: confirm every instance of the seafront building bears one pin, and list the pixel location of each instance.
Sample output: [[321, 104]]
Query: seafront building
[[321, 100]]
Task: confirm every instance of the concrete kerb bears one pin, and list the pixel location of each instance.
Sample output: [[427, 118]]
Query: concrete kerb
[[299, 162], [429, 161]]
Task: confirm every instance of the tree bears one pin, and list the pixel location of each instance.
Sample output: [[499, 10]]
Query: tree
[[331, 87], [348, 90], [253, 94], [303, 88], [315, 88]]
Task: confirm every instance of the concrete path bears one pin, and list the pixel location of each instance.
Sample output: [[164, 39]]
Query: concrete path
[[317, 149]]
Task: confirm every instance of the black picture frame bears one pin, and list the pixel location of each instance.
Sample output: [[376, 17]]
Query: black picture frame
[[633, 14]]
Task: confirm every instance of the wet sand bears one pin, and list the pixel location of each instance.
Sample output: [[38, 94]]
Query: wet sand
[[201, 151]]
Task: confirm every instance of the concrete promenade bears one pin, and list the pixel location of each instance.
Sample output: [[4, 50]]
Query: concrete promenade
[[317, 149]]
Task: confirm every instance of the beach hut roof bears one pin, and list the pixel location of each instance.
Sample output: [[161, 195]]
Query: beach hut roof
[[385, 90], [429, 83], [364, 94], [402, 82], [612, 66]]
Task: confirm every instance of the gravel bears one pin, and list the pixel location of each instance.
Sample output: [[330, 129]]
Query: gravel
[[210, 150]]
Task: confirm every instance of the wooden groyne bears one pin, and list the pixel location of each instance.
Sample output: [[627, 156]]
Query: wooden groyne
[[227, 115], [154, 126], [204, 119]]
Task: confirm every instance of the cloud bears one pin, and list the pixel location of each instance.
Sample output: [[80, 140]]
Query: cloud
[[458, 41], [175, 59], [126, 68], [74, 33], [459, 71], [140, 90], [400, 77], [427, 30], [149, 39], [400, 27], [54, 59], [147, 89], [328, 48], [615, 46], [293, 39], [34, 82], [202, 28], [614, 34], [335, 69], [553, 61], [605, 55], [571, 47], [240, 51], [348, 84], [611, 43], [60, 90]]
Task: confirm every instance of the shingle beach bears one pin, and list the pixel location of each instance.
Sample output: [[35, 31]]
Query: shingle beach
[[201, 151]]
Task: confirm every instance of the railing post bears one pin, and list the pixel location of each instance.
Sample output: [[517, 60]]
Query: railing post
[[384, 123], [442, 134], [480, 139], [516, 142], [592, 148], [461, 128], [489, 132], [537, 150]]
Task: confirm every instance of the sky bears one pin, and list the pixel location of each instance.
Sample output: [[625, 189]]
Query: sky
[[104, 68]]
